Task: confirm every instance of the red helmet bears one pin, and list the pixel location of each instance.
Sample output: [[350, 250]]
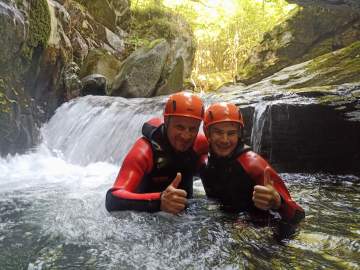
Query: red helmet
[[222, 112], [184, 104]]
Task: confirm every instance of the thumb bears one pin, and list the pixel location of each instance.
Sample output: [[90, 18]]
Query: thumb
[[267, 177], [175, 183]]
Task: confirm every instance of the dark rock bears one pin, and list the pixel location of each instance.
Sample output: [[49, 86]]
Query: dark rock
[[18, 121], [294, 140], [94, 84]]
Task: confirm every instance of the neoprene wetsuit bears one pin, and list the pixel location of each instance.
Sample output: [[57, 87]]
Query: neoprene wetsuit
[[149, 168], [231, 180]]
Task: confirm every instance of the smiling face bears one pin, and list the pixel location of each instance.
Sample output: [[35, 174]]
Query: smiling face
[[223, 138], [182, 131]]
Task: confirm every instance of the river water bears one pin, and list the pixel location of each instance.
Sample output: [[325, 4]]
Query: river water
[[52, 213]]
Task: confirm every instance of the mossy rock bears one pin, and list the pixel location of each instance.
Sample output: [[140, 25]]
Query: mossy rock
[[155, 23], [134, 78], [311, 31], [174, 80], [335, 68], [99, 61], [39, 29]]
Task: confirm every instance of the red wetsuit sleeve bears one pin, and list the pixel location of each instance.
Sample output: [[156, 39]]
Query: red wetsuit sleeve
[[137, 163], [201, 148], [254, 165], [201, 145]]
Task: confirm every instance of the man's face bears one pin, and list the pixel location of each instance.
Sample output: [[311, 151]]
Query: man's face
[[182, 131], [223, 138]]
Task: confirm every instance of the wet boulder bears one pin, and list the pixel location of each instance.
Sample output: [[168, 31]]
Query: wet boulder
[[153, 24], [141, 71], [100, 61], [94, 84]]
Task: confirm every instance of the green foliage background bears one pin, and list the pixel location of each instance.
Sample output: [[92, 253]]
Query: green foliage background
[[225, 31]]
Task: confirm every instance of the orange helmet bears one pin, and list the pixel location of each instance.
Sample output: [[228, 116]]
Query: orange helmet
[[222, 112], [184, 104]]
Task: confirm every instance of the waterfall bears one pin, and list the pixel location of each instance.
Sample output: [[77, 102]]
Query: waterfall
[[92, 129], [258, 125]]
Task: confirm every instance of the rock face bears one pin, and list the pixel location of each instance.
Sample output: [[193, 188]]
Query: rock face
[[299, 134], [155, 24], [113, 14], [56, 50], [305, 118], [294, 140], [18, 128], [13, 32], [314, 29], [99, 61], [22, 33], [94, 84], [350, 3], [134, 79], [41, 40]]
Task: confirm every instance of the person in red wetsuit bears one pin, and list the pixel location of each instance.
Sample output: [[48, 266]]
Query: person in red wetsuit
[[238, 177], [157, 173]]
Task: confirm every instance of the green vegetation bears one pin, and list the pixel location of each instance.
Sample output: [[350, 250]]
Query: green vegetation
[[39, 27], [225, 30]]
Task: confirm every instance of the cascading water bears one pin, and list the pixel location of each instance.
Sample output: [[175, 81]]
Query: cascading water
[[53, 216], [258, 125]]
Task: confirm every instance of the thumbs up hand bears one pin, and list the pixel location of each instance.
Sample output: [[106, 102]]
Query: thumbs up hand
[[266, 197], [173, 200]]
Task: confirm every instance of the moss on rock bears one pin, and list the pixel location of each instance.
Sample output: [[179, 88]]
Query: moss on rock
[[5, 102], [153, 23], [39, 28], [342, 66], [100, 61]]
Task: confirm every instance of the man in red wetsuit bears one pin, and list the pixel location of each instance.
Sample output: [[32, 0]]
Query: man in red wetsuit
[[239, 178], [157, 173]]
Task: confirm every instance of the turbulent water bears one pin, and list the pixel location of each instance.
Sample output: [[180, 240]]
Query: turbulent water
[[52, 213]]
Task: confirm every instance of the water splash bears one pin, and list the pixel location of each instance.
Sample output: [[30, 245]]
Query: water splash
[[93, 129]]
